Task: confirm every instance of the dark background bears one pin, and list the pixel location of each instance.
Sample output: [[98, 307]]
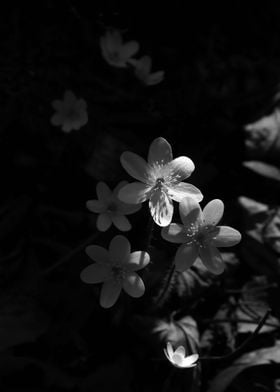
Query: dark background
[[222, 70]]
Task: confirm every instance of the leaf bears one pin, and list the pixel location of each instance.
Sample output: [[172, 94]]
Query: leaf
[[264, 169], [258, 357]]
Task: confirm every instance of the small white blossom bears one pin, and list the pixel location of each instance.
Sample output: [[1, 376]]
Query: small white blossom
[[178, 357]]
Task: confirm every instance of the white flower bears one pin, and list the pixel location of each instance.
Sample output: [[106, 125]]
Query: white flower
[[178, 357], [160, 180], [110, 208], [71, 113], [116, 269], [143, 67], [200, 236], [114, 51]]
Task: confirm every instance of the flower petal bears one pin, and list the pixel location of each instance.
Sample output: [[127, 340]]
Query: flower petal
[[212, 259], [137, 260], [119, 249], [134, 193], [161, 208], [133, 285], [180, 351], [181, 167], [97, 253], [112, 40], [95, 273], [121, 222], [160, 151], [174, 233], [227, 236], [179, 191], [135, 166], [128, 209], [103, 221], [213, 212], [170, 350], [57, 119], [190, 212], [96, 206], [185, 257], [103, 191], [190, 360], [155, 78], [129, 49], [110, 292]]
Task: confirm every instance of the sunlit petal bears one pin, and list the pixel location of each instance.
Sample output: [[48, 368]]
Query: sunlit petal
[[133, 285], [95, 273], [137, 260], [181, 168], [227, 236], [213, 212], [160, 151], [135, 166], [110, 292], [161, 208], [103, 221], [134, 193], [185, 257], [190, 212], [97, 253], [180, 351], [121, 222], [174, 233], [181, 190], [212, 259], [170, 349], [119, 249]]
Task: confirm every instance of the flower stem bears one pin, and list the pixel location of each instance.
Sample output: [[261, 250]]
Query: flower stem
[[239, 349], [162, 294], [150, 230]]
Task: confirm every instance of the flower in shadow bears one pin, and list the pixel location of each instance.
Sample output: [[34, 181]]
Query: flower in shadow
[[178, 357], [116, 269], [200, 236], [110, 208], [160, 180], [142, 70], [71, 113], [114, 51]]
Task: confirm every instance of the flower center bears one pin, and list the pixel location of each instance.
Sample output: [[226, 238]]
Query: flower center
[[112, 207], [118, 273], [200, 235]]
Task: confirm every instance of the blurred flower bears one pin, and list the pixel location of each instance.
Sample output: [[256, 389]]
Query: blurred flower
[[114, 51], [110, 208], [71, 113], [200, 236], [160, 180], [261, 136], [178, 357], [116, 269], [143, 72]]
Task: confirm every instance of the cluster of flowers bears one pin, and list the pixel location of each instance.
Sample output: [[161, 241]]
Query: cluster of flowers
[[119, 54], [160, 182], [71, 112]]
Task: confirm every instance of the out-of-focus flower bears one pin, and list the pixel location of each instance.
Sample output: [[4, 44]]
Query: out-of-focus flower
[[110, 208], [161, 180], [262, 136], [114, 51], [142, 70], [71, 113], [116, 268], [178, 357], [200, 236]]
